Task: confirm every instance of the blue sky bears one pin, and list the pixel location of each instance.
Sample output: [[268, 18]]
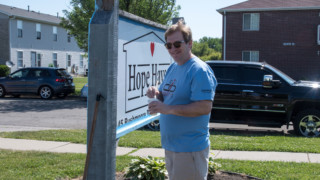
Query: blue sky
[[200, 15]]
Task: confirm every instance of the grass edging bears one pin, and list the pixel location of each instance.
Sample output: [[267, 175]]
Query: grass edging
[[230, 141]]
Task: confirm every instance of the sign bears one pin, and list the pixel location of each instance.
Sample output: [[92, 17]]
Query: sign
[[143, 62]]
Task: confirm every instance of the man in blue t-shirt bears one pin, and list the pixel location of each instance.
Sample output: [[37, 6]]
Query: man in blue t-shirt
[[186, 96]]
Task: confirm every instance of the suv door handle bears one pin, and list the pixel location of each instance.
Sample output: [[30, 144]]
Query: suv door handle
[[248, 91]]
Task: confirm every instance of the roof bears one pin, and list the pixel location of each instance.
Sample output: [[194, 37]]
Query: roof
[[272, 5], [141, 20], [36, 16], [30, 15]]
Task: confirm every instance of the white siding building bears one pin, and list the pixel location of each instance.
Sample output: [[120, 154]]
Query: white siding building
[[33, 39]]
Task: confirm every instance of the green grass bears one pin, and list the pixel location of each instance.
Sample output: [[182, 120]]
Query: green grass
[[30, 165], [38, 165], [79, 82], [263, 142], [68, 135], [220, 140], [272, 170], [233, 141]]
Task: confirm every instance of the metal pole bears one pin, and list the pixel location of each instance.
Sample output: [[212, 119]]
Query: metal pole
[[103, 63]]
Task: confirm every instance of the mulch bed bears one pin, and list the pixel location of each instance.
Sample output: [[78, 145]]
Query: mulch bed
[[220, 175]]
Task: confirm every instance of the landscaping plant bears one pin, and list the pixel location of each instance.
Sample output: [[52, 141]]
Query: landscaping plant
[[212, 166], [146, 168]]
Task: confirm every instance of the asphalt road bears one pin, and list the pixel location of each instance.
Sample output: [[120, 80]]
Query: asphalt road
[[32, 113]]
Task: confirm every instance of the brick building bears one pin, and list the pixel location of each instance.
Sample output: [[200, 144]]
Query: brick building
[[283, 33]]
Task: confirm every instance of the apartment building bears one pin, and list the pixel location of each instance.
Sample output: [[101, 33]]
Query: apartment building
[[283, 33], [34, 39]]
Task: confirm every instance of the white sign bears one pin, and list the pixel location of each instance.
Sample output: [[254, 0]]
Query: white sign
[[143, 62]]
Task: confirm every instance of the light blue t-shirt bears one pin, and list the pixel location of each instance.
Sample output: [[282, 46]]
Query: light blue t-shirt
[[184, 84]]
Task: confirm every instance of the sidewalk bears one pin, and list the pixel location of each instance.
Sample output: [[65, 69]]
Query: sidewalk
[[66, 147]]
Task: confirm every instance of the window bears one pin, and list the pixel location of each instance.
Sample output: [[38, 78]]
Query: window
[[19, 27], [251, 21], [69, 37], [39, 60], [20, 59], [81, 61], [20, 74], [55, 35], [226, 74], [250, 56], [38, 29], [69, 60], [252, 76], [45, 73], [55, 59]]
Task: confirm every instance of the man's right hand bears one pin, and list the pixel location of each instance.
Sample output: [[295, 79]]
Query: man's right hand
[[152, 92]]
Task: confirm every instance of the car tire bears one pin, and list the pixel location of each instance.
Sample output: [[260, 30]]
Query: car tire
[[45, 92], [2, 92], [154, 126], [307, 123]]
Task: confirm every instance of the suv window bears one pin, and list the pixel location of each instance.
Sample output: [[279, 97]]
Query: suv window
[[45, 73], [226, 74], [62, 72], [20, 74], [254, 75]]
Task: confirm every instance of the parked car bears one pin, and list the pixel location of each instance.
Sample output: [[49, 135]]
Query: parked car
[[84, 91], [258, 94], [45, 82]]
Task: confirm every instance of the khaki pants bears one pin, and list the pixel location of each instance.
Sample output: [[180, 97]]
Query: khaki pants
[[187, 165]]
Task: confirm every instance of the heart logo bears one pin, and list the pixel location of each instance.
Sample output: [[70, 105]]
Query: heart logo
[[152, 48]]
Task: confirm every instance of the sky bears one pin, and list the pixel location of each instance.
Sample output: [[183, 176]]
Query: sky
[[200, 15]]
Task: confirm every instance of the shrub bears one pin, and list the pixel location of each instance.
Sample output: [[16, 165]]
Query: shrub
[[51, 65], [146, 168], [212, 166], [4, 70]]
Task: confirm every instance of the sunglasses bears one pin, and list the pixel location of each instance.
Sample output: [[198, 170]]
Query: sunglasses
[[176, 44]]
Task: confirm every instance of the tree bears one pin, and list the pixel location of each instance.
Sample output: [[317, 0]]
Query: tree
[[160, 11], [208, 48], [213, 43], [77, 20]]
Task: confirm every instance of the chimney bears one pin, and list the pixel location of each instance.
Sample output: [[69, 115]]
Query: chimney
[[28, 8], [57, 14]]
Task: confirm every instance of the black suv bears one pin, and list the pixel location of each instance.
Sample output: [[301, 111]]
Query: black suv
[[258, 94], [45, 82]]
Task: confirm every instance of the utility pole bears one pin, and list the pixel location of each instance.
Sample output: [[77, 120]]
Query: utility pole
[[103, 63]]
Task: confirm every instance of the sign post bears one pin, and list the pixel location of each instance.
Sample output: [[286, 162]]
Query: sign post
[[103, 62]]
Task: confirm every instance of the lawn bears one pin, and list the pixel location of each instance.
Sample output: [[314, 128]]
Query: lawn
[[79, 82], [39, 165], [220, 140]]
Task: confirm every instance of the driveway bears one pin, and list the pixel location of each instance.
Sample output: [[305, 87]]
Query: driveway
[[69, 113]]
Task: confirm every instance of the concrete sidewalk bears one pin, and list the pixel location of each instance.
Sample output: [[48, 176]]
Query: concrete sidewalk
[[66, 147]]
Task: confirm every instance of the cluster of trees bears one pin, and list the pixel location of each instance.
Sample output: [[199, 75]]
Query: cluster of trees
[[77, 21], [208, 48]]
